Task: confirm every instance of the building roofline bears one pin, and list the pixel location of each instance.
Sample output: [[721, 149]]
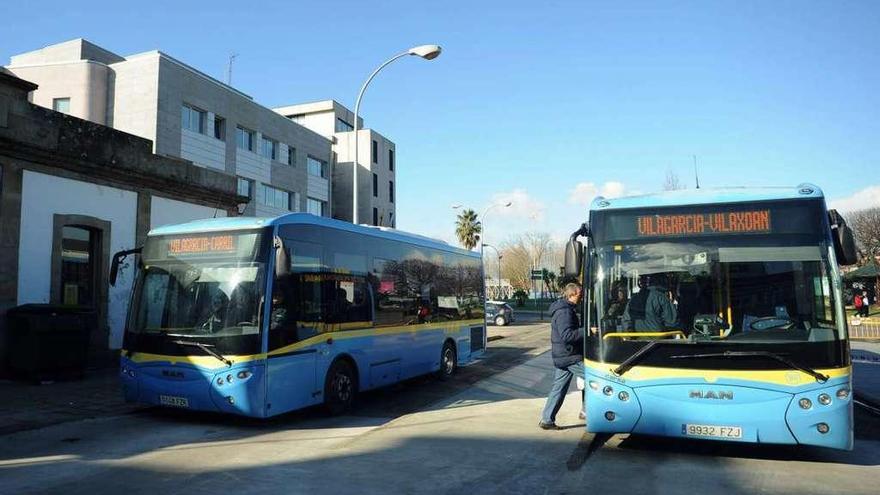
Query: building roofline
[[15, 81]]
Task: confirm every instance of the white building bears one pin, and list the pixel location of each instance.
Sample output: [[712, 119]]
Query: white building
[[72, 193], [281, 165]]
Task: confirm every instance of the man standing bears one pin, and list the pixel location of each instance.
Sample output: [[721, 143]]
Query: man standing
[[567, 348]]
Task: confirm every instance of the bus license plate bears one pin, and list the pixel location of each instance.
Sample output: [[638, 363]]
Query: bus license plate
[[170, 400], [712, 431]]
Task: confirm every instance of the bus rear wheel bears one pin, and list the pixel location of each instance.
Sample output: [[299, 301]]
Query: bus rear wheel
[[448, 362], [339, 388]]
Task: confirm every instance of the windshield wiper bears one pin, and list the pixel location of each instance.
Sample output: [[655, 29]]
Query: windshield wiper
[[635, 358], [204, 347], [772, 355]]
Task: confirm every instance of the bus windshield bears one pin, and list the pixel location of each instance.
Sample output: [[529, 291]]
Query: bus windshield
[[747, 278], [202, 288], [703, 290]]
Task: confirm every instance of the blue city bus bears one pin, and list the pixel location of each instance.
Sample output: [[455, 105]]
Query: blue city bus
[[717, 314], [258, 317]]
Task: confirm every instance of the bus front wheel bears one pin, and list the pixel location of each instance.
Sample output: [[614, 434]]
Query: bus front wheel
[[339, 388], [448, 361]]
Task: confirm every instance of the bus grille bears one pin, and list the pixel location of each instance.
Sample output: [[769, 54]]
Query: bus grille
[[477, 338]]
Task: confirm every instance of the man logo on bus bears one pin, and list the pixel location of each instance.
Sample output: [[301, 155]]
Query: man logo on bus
[[711, 394]]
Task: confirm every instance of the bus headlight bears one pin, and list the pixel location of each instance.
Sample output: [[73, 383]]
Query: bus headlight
[[623, 395], [608, 390], [824, 399], [220, 381], [243, 374], [609, 415], [805, 403], [843, 393], [229, 378], [823, 428]]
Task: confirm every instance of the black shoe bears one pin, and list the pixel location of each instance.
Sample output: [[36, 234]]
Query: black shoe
[[548, 426], [581, 415]]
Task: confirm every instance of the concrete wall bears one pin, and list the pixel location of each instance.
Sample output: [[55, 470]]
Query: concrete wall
[[165, 211], [43, 196], [84, 82], [203, 149], [134, 97]]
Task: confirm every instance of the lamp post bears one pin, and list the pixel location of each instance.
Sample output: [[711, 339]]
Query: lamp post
[[498, 255], [427, 52]]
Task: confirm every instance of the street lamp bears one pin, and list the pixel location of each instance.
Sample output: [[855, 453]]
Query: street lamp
[[499, 264], [427, 52]]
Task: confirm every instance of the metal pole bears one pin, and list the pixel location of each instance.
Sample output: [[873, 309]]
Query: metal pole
[[357, 106]]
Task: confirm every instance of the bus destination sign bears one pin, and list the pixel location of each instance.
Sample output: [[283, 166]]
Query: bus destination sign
[[202, 245], [741, 222]]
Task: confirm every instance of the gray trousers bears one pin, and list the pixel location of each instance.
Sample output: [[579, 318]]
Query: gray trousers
[[561, 381]]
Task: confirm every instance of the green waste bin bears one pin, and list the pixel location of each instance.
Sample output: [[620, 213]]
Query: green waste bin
[[49, 341]]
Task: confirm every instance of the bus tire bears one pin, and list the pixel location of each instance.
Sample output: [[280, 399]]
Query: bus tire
[[448, 361], [340, 387], [500, 321]]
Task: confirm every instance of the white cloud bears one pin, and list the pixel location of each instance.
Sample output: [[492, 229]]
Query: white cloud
[[584, 192], [868, 197]]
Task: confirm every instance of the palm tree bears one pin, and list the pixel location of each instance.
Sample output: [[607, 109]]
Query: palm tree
[[468, 229]]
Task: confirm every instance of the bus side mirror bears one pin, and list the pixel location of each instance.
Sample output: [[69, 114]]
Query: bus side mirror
[[844, 242], [117, 260], [282, 259], [574, 257], [574, 253]]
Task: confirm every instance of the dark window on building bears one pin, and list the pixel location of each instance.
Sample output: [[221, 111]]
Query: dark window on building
[[343, 126], [246, 187], [375, 152], [291, 156], [390, 191], [61, 105], [269, 148], [375, 186], [391, 160], [219, 128], [193, 119], [244, 138], [79, 261], [375, 216]]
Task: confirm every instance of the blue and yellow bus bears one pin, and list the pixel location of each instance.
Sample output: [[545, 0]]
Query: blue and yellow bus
[[717, 314], [258, 317]]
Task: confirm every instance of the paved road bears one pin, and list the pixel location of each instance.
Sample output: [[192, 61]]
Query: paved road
[[477, 434]]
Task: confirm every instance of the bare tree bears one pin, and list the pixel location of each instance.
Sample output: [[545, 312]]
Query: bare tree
[[866, 228], [672, 182], [523, 253]]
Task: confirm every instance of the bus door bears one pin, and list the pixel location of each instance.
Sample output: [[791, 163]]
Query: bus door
[[296, 324]]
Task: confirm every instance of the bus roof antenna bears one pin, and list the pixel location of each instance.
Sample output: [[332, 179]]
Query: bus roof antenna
[[696, 174]]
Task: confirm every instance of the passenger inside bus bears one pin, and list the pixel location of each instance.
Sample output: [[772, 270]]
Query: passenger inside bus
[[651, 309]]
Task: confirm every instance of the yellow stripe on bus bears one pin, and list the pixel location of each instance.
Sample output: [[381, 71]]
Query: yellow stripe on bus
[[777, 377], [213, 363]]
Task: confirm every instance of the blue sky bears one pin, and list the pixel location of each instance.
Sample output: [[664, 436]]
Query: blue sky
[[543, 103]]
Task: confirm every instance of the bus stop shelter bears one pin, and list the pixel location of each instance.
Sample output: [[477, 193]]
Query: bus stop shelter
[[868, 275]]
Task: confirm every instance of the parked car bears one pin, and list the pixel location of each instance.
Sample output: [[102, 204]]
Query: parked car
[[499, 312]]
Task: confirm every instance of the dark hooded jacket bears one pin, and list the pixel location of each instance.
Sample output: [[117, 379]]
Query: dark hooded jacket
[[566, 335]]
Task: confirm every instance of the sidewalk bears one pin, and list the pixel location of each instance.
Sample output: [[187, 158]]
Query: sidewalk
[[866, 371], [26, 406]]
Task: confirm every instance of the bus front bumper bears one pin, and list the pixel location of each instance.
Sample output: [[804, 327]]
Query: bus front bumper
[[185, 386], [726, 412]]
